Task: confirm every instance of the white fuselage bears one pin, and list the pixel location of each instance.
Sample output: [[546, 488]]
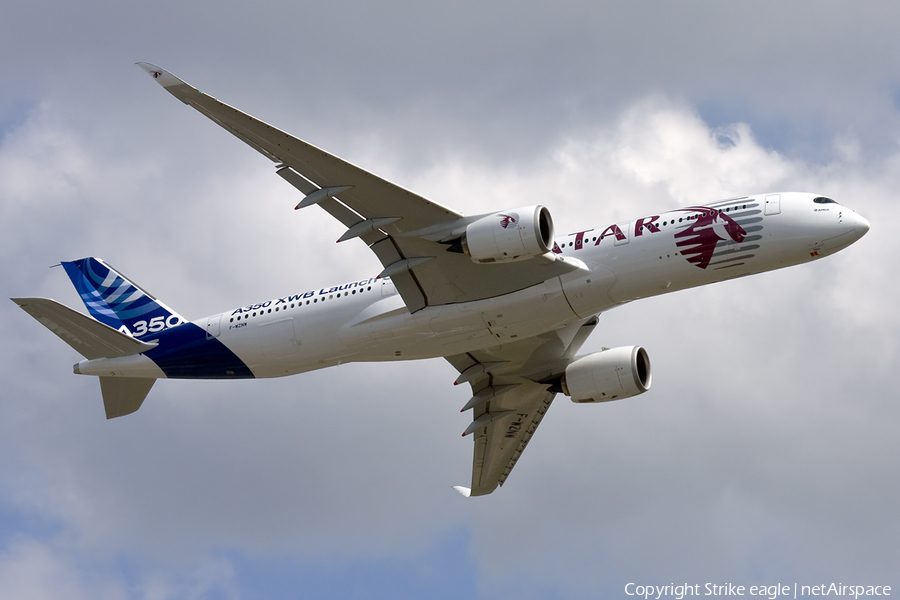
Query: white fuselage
[[368, 321]]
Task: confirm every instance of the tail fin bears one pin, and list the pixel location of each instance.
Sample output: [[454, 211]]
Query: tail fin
[[115, 301]]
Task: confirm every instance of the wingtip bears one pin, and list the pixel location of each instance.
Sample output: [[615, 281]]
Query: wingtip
[[463, 490], [163, 77]]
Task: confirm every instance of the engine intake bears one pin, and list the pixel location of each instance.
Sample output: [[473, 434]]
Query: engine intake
[[508, 236], [608, 375]]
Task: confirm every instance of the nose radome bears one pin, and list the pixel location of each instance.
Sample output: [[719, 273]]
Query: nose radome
[[853, 227], [863, 225], [860, 224]]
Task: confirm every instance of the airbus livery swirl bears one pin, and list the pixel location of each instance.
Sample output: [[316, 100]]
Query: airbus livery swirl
[[504, 301]]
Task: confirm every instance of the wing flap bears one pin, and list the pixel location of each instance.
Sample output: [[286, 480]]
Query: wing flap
[[508, 401], [499, 444]]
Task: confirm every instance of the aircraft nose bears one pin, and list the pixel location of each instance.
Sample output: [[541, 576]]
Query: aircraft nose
[[852, 227], [860, 224]]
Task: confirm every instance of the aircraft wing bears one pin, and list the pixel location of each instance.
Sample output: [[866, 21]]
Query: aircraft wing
[[511, 392], [394, 222]]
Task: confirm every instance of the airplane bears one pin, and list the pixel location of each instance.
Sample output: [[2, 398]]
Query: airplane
[[502, 298]]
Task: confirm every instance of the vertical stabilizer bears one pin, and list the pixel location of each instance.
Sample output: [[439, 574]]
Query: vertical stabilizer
[[115, 301], [123, 395]]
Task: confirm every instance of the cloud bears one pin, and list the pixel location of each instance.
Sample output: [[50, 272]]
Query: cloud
[[726, 463], [762, 453], [33, 571]]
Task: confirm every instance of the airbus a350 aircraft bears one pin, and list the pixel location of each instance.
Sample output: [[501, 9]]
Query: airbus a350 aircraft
[[506, 303]]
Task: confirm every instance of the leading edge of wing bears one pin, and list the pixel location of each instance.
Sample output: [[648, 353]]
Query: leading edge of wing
[[379, 197], [399, 226]]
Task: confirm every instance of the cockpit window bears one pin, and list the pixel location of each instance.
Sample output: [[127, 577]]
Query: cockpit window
[[823, 200]]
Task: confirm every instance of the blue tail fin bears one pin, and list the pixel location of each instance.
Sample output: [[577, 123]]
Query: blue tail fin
[[117, 302]]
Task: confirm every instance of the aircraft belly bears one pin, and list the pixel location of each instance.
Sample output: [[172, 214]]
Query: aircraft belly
[[283, 345], [589, 294], [527, 313], [463, 327], [389, 332]]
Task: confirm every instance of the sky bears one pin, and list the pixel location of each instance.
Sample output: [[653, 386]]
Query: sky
[[765, 453]]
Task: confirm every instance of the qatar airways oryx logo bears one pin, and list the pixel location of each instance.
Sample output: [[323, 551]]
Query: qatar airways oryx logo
[[510, 220], [698, 242]]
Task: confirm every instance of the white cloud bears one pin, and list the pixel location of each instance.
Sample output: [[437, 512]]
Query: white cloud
[[757, 454], [30, 570]]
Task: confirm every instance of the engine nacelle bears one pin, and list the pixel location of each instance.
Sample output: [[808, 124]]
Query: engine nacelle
[[511, 235], [609, 375]]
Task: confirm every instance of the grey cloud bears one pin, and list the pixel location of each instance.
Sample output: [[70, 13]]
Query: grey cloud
[[505, 78], [765, 448]]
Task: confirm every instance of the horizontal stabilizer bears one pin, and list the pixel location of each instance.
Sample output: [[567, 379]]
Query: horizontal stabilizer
[[89, 337], [123, 395]]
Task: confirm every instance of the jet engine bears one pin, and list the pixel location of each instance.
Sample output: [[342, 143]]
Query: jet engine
[[608, 375], [508, 236]]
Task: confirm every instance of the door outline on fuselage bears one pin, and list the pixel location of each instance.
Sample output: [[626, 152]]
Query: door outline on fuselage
[[278, 338], [213, 327], [624, 228]]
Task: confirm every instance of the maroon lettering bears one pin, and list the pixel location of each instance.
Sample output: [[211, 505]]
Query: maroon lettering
[[648, 222], [611, 230]]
